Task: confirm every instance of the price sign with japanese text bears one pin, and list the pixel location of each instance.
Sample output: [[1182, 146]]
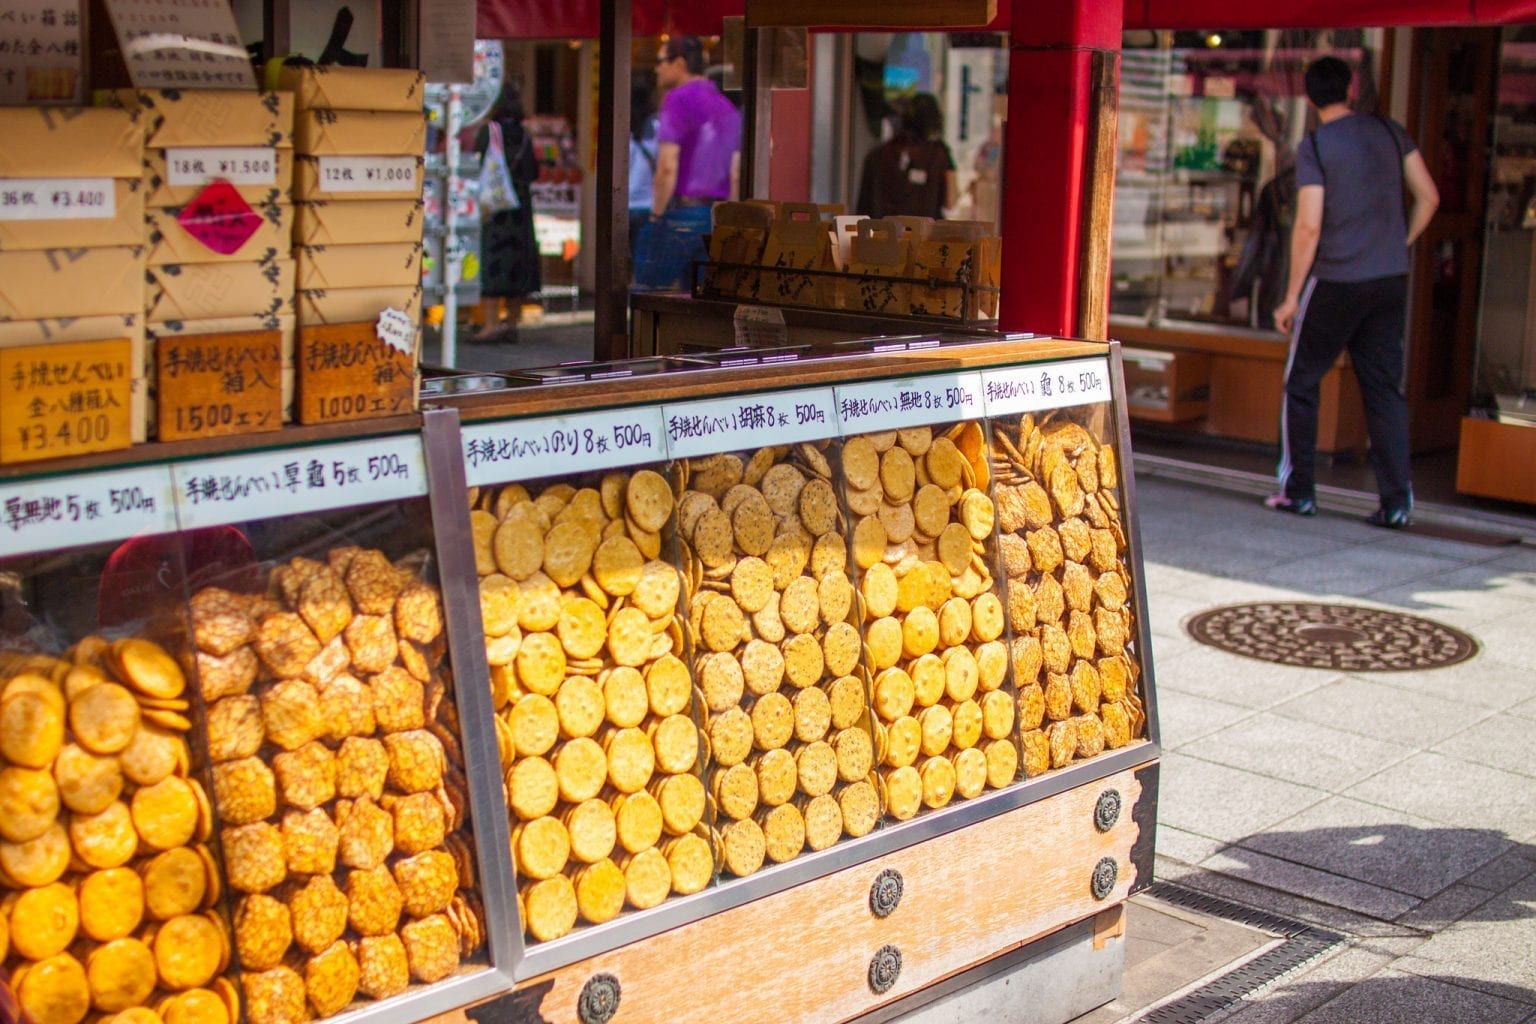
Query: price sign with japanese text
[[58, 198], [86, 508], [298, 481], [749, 421], [367, 173], [65, 399], [529, 449], [913, 402], [210, 385], [44, 57], [347, 372], [238, 165], [1021, 389]]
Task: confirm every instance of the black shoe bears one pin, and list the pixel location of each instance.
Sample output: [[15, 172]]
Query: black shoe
[[1390, 518], [1295, 506]]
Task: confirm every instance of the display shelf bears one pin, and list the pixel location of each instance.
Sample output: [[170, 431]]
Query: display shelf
[[1045, 410]]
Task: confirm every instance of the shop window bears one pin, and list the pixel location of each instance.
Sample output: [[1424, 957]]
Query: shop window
[[1210, 123], [1506, 354]]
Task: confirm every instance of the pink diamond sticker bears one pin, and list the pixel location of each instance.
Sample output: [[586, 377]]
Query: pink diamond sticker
[[220, 218]]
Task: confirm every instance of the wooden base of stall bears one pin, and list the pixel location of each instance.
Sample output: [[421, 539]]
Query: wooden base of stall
[[819, 952]]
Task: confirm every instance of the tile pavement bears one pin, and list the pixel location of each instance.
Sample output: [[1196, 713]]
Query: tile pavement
[[1398, 809]]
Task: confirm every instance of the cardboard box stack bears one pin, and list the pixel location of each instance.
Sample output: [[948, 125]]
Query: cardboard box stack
[[217, 176], [360, 137], [71, 273]]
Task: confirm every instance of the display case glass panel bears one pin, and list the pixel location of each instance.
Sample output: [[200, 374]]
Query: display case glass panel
[[1205, 181]]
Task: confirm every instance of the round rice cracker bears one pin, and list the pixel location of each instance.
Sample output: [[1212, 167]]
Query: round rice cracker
[[152, 755], [903, 793], [657, 589], [818, 507], [82, 781], [730, 737], [880, 590], [723, 624], [582, 629], [722, 680], [145, 666], [813, 714], [790, 553], [829, 554], [44, 921], [103, 718], [783, 832], [617, 565], [29, 803], [648, 500], [668, 685], [860, 806], [111, 903], [781, 486], [834, 597], [197, 1006], [804, 663], [800, 605], [841, 648], [54, 991], [187, 951], [106, 839], [167, 814], [631, 760], [500, 598], [855, 753], [121, 974], [541, 660], [742, 847], [751, 584], [898, 475], [897, 522], [904, 741], [752, 523]]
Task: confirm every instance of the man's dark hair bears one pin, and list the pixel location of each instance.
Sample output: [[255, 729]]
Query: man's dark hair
[[922, 119], [1328, 81], [690, 48]]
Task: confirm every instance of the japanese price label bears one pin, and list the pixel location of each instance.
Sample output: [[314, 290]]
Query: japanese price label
[[557, 445], [71, 399], [288, 482], [89, 508], [347, 373], [914, 402], [238, 165], [220, 218], [367, 173], [1020, 389], [749, 421], [57, 198], [209, 385]]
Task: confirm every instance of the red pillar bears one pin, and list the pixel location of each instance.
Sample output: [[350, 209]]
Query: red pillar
[[1048, 148]]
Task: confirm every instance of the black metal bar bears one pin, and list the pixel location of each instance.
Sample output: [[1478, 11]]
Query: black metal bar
[[611, 332], [276, 28]]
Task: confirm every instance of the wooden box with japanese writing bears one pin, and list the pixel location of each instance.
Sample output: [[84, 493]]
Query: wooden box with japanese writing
[[233, 375], [69, 178], [66, 338]]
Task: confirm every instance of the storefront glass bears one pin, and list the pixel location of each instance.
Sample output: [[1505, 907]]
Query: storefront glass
[[1205, 188], [1506, 356]]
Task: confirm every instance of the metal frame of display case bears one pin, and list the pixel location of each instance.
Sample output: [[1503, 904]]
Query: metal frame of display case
[[532, 960], [511, 959]]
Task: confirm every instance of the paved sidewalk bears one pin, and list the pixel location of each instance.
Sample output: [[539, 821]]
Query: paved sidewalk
[[1395, 808]]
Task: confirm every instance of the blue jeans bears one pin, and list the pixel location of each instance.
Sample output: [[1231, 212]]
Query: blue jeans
[[666, 249]]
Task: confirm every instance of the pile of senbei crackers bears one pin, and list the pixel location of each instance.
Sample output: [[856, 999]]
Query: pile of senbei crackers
[[339, 783], [112, 892], [778, 648]]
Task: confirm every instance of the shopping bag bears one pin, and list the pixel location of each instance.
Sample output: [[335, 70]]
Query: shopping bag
[[497, 193]]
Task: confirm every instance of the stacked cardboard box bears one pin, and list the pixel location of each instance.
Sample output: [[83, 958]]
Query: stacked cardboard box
[[217, 177], [71, 273], [360, 135]]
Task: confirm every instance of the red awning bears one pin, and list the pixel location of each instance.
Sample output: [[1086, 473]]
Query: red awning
[[578, 19]]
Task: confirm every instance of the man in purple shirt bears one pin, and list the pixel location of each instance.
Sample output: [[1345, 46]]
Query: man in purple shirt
[[699, 144]]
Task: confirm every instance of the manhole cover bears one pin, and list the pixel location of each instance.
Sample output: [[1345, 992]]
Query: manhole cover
[[1335, 636]]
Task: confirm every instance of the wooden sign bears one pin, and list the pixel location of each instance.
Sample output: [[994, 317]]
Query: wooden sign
[[909, 14], [349, 372], [65, 399], [212, 385]]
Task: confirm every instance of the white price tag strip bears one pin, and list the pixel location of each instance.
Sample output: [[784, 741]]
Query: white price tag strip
[[57, 198], [238, 165], [749, 421], [912, 402], [544, 446], [1020, 389], [91, 508], [367, 173], [296, 481]]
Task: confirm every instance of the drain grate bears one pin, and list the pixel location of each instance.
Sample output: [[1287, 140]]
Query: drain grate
[[1343, 637], [1301, 943]]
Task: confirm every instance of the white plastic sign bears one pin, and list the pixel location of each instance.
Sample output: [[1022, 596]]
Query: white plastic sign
[[89, 508], [1021, 389], [749, 421], [296, 481], [912, 402], [529, 449], [57, 198], [367, 173], [238, 165]]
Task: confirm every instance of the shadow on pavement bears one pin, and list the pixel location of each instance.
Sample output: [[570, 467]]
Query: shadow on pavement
[[1414, 865], [1399, 998]]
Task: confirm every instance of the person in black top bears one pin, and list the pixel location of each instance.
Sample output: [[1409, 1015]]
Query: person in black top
[[913, 172], [509, 253], [1348, 286]]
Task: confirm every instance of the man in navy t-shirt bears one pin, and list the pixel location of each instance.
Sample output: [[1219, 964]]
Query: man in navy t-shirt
[[1349, 286]]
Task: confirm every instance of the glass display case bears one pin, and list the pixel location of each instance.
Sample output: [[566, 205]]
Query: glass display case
[[387, 725], [1205, 182]]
